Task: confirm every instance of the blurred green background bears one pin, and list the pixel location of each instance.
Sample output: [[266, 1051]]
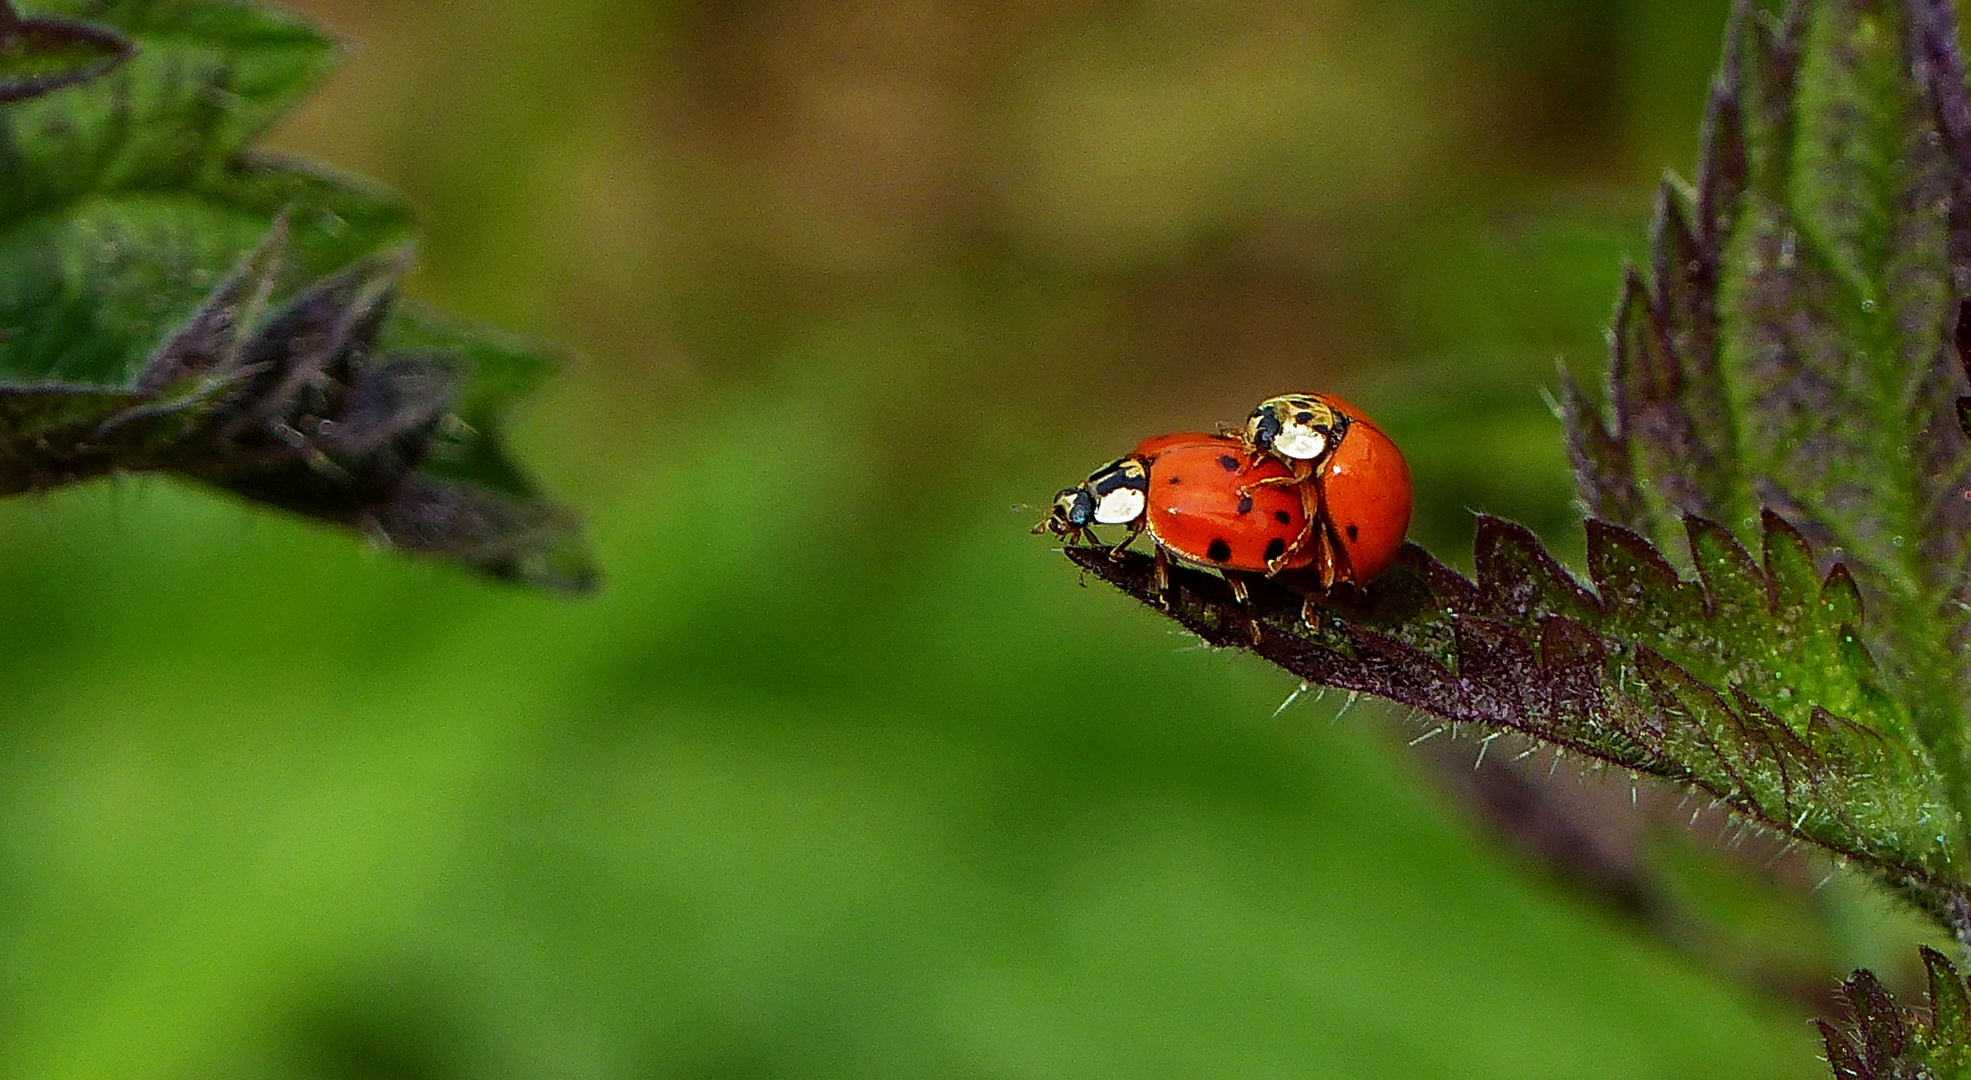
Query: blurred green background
[[843, 774]]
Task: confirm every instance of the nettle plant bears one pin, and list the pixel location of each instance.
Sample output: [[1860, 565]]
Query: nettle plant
[[173, 302], [1777, 611]]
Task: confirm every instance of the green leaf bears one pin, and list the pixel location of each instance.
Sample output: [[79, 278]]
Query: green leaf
[[171, 302], [1885, 1041], [1792, 349], [41, 55], [1748, 682]]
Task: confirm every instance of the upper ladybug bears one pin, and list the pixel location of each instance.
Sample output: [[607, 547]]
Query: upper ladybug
[[1353, 482]]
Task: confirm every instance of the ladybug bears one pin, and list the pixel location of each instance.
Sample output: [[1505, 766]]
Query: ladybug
[[1205, 500], [1353, 482], [1114, 494]]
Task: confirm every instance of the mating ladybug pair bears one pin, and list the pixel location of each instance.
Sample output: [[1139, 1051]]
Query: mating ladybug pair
[[1310, 485]]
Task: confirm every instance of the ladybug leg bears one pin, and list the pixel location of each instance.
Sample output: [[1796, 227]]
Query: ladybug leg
[[1302, 472], [1343, 570], [1331, 558], [1324, 553], [1160, 577], [1242, 595], [1135, 530], [1311, 509], [1267, 481]]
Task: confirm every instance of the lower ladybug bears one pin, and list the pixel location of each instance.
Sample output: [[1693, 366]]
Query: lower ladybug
[[1353, 482], [1204, 500]]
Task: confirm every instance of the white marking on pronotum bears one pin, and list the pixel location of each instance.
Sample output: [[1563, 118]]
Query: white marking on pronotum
[[1119, 507], [1300, 441]]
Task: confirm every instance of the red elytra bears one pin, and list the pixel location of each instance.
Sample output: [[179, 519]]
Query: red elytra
[[1365, 498], [1203, 509]]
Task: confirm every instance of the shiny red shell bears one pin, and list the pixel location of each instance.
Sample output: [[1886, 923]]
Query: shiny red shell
[[1197, 513], [1365, 497]]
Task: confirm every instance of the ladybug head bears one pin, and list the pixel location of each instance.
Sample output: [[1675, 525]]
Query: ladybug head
[[1295, 427], [1073, 511], [1114, 494]]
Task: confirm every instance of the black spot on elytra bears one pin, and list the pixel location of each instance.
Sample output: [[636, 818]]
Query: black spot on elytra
[[1282, 516], [1275, 548], [1352, 532], [1174, 481], [1228, 463], [1245, 504], [1218, 550]]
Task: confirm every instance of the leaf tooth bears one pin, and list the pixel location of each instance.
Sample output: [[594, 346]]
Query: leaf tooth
[[1789, 557], [1636, 584], [211, 340], [1604, 475], [519, 540], [1686, 313], [1735, 587], [1840, 598], [1675, 465], [1842, 1056], [1642, 373], [1768, 54], [1722, 168], [1519, 581], [1950, 1004], [1449, 587], [1877, 1019], [1686, 272]]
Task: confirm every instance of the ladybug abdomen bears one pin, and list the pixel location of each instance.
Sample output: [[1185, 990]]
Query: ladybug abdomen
[[1203, 509]]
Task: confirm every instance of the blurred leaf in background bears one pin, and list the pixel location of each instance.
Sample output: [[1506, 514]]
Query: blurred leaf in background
[[843, 775]]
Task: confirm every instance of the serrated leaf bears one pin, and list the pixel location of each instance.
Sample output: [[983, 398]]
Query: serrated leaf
[[169, 302], [1886, 1041], [1794, 347], [1738, 681]]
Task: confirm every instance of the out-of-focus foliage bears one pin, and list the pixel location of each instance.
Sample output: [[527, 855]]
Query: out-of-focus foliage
[[176, 302], [842, 775]]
